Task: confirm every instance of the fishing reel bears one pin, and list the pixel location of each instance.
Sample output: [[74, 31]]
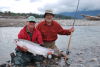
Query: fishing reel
[[68, 52]]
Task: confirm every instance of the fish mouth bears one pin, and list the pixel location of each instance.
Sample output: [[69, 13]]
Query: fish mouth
[[16, 40]]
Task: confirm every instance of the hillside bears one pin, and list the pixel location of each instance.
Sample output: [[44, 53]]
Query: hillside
[[93, 13]]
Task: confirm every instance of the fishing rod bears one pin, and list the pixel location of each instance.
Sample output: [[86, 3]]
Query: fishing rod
[[75, 14]]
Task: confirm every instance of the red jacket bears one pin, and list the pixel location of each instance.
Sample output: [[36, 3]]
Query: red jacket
[[49, 33], [36, 37]]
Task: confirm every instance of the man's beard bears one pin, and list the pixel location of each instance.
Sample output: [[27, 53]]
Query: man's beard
[[48, 20]]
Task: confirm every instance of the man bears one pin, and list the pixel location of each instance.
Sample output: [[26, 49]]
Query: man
[[49, 29], [29, 32]]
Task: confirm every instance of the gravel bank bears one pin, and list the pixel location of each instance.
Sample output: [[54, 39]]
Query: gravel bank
[[21, 22]]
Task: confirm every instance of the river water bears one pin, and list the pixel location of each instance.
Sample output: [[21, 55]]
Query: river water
[[84, 36]]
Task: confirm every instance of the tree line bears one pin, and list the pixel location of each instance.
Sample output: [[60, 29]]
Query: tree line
[[9, 13]]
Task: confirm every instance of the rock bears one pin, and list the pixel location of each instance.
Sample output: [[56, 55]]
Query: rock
[[93, 60], [80, 60], [79, 53]]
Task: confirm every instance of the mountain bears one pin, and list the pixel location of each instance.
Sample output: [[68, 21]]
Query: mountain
[[91, 13]]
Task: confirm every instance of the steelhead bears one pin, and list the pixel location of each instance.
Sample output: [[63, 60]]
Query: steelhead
[[33, 48]]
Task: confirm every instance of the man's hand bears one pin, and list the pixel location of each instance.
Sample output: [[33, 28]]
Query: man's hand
[[24, 49], [42, 45]]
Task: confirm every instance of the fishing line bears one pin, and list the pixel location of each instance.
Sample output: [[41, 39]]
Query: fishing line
[[75, 15]]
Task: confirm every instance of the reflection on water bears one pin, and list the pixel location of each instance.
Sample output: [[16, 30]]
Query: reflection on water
[[84, 36]]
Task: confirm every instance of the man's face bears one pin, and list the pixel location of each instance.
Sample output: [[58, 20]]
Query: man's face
[[49, 17], [31, 24]]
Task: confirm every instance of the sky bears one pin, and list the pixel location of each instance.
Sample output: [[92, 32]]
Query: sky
[[39, 6]]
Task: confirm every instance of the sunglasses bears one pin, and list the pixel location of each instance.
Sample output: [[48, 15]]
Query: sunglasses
[[32, 22]]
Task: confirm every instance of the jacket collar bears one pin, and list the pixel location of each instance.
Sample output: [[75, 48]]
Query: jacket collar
[[25, 28]]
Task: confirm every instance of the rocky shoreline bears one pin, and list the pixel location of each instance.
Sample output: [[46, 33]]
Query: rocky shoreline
[[4, 22]]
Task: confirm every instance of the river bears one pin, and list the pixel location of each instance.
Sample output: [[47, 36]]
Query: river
[[84, 36]]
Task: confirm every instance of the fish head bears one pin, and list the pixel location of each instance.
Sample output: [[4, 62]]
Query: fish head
[[17, 41], [20, 42]]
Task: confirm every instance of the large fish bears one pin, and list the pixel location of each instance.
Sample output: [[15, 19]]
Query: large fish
[[34, 48]]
